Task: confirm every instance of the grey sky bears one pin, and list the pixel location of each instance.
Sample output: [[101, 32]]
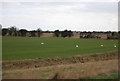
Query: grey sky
[[73, 15]]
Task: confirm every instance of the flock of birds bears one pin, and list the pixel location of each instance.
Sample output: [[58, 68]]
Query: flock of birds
[[100, 45], [78, 45], [103, 45]]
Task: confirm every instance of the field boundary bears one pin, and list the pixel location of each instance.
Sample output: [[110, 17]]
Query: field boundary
[[43, 62]]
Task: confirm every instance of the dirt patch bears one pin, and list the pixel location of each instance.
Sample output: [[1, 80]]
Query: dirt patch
[[68, 71], [88, 70], [42, 62]]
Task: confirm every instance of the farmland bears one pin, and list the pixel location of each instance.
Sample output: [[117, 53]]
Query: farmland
[[59, 58], [18, 48]]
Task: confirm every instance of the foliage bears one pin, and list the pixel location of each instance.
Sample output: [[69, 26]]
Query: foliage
[[57, 33], [23, 32]]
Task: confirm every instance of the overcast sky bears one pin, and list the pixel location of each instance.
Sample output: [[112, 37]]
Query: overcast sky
[[78, 15]]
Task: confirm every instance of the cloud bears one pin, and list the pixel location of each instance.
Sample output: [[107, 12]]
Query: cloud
[[59, 0], [58, 7], [63, 15]]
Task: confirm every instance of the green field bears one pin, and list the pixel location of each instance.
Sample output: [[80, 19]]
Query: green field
[[31, 47]]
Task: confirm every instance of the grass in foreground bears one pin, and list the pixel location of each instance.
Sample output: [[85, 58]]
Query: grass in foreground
[[105, 76], [68, 71], [30, 48]]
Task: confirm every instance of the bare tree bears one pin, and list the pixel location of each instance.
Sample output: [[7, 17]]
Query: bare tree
[[39, 32], [12, 31]]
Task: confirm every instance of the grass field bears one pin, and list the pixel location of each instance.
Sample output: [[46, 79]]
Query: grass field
[[30, 48]]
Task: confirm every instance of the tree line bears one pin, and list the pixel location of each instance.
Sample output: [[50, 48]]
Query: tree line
[[65, 33], [14, 31]]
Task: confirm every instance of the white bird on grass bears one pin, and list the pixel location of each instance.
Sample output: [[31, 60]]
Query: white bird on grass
[[101, 45], [115, 46], [76, 46], [42, 43]]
